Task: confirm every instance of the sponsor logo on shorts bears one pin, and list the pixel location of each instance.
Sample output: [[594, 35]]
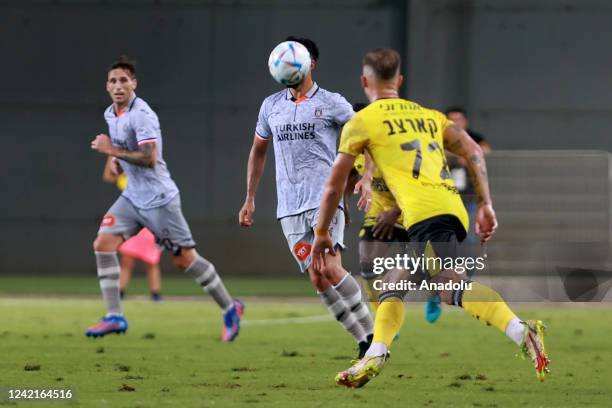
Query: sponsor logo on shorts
[[108, 220], [301, 250]]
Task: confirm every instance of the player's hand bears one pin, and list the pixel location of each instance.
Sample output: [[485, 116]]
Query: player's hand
[[485, 223], [245, 216], [115, 167], [321, 246], [364, 189], [385, 223], [102, 144]]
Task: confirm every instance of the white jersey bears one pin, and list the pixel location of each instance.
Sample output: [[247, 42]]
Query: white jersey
[[305, 134], [148, 187]]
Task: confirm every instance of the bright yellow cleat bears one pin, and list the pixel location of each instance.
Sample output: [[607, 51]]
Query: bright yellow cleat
[[361, 372], [533, 347]]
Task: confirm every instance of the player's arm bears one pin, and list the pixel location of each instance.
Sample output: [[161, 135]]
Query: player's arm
[[364, 186], [457, 141], [348, 191], [145, 156], [255, 169], [332, 194]]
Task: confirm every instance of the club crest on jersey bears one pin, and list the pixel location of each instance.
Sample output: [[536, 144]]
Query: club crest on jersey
[[108, 220], [301, 250], [318, 112]]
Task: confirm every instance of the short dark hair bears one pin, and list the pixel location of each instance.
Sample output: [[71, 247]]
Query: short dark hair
[[309, 44], [457, 109], [124, 63], [357, 106], [384, 61]]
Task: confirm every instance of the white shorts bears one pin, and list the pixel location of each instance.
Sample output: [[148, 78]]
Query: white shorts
[[299, 232], [167, 223]]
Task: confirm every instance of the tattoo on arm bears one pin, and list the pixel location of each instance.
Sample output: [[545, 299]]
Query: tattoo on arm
[[458, 142], [145, 156]]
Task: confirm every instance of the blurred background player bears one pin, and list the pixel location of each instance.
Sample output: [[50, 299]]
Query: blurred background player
[[382, 228], [413, 165], [141, 246], [303, 122], [151, 199], [459, 167]]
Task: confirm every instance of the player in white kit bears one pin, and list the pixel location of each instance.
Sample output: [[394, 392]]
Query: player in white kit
[[303, 122], [151, 200]]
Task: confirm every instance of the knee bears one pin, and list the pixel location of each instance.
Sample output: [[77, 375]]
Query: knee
[[333, 273], [185, 258], [319, 282], [106, 243]]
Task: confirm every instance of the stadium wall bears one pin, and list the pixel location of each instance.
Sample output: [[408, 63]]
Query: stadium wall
[[528, 80]]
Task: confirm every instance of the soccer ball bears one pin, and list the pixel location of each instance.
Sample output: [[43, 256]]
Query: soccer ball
[[289, 63]]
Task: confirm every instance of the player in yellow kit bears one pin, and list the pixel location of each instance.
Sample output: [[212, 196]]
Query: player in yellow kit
[[381, 229], [406, 142]]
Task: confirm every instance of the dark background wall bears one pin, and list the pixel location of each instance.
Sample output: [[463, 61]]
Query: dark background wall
[[533, 74]]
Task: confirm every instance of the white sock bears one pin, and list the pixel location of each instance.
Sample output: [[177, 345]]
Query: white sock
[[515, 330], [377, 349]]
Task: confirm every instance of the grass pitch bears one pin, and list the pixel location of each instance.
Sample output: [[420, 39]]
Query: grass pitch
[[288, 354]]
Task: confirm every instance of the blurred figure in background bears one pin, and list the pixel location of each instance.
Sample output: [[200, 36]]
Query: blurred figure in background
[[141, 246], [459, 170]]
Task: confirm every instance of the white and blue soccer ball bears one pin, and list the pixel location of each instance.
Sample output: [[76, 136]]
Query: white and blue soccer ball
[[289, 63]]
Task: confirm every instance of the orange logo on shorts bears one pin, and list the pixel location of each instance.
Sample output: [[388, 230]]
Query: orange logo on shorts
[[108, 220], [301, 250]]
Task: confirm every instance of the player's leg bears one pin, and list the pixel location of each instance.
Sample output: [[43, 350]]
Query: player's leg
[[205, 274], [347, 286], [105, 248], [120, 222], [336, 306], [487, 306], [143, 247], [298, 230], [154, 279], [127, 266], [371, 248], [432, 307], [349, 291], [173, 233], [482, 302], [387, 323]]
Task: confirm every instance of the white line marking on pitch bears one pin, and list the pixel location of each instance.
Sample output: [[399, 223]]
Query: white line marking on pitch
[[288, 320]]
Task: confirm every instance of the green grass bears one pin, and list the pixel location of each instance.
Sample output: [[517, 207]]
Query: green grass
[[172, 284], [171, 357]]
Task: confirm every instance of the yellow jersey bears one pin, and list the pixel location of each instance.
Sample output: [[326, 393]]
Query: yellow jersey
[[382, 199], [406, 143]]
